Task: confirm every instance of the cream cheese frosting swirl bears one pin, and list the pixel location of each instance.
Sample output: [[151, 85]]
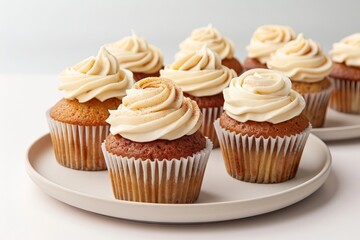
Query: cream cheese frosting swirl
[[262, 95], [96, 77], [302, 60], [210, 37], [199, 73], [347, 51], [155, 108], [267, 39], [136, 54]]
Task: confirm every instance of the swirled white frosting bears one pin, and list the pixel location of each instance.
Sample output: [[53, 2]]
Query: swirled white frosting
[[199, 73], [301, 60], [210, 37], [96, 77], [267, 39], [136, 54], [155, 108], [262, 95], [347, 51]]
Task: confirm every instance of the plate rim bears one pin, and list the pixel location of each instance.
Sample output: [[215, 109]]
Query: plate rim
[[36, 176], [348, 131]]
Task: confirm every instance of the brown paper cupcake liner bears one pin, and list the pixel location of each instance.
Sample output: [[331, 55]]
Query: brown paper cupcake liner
[[346, 96], [207, 126], [157, 181], [78, 147], [259, 159], [316, 106]]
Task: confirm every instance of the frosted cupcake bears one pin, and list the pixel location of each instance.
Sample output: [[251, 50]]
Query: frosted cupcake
[[202, 78], [212, 38], [155, 152], [77, 122], [346, 75], [262, 132], [137, 55], [265, 41], [303, 61]]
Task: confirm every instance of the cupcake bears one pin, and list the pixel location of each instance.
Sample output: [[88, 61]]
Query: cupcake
[[308, 67], [155, 152], [346, 75], [77, 122], [265, 41], [202, 78], [137, 55], [212, 38], [262, 131]]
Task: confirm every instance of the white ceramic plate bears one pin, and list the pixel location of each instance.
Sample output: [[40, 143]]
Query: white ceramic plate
[[221, 198], [339, 126]]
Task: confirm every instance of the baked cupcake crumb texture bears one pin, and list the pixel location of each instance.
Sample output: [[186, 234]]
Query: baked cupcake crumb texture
[[90, 113], [157, 149], [265, 129], [250, 63]]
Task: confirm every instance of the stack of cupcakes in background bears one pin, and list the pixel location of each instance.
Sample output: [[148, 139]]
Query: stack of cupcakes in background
[[303, 61], [202, 78], [155, 152], [212, 38], [262, 132], [77, 122], [346, 75], [265, 41], [137, 55]]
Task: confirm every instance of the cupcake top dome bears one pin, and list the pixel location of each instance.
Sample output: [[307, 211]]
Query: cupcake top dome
[[262, 95], [136, 54], [347, 51], [267, 39], [95, 77], [210, 37], [153, 109], [199, 73], [302, 60]]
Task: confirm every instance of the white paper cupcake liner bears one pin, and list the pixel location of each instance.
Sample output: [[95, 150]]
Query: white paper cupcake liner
[[157, 181], [207, 127], [346, 96], [316, 106], [78, 147], [259, 159]]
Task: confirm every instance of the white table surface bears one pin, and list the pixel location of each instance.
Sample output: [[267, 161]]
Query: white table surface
[[332, 212]]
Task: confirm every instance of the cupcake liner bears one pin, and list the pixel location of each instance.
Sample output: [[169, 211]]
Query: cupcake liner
[[316, 106], [346, 96], [78, 147], [207, 126], [259, 159], [157, 181]]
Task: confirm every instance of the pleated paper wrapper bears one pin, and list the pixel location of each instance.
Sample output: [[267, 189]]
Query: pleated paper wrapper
[[78, 147], [207, 126], [157, 181], [346, 96], [259, 159], [316, 106]]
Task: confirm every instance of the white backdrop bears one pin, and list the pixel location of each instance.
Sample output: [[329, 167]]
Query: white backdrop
[[43, 36]]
